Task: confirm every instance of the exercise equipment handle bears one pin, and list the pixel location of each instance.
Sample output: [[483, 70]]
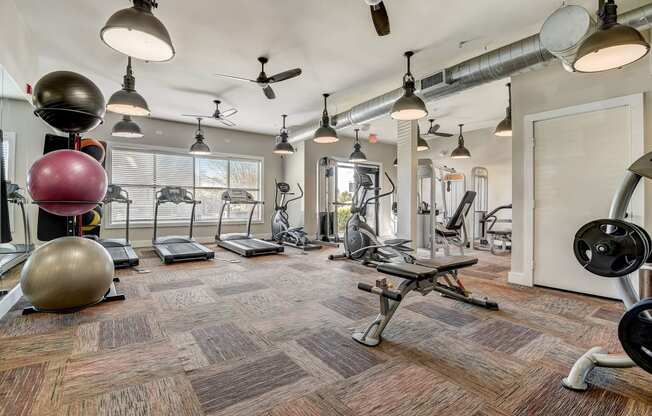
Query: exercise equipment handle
[[381, 195], [389, 294]]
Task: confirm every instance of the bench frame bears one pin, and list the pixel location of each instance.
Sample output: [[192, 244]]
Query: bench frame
[[446, 283]]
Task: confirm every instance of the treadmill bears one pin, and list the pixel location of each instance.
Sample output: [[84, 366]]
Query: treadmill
[[243, 244], [11, 254], [177, 248], [121, 252]]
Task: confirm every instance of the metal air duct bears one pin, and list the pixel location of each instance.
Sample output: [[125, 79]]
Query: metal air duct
[[517, 57]]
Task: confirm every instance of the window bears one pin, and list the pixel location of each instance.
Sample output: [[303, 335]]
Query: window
[[143, 172], [7, 153]]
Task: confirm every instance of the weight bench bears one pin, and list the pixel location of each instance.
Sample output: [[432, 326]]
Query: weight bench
[[439, 275]]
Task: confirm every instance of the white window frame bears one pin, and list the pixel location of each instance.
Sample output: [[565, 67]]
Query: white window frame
[[9, 137], [179, 152]]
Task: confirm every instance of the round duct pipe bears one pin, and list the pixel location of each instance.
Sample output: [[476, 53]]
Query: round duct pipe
[[565, 30]]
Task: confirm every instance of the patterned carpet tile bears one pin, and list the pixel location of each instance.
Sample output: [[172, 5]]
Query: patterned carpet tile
[[340, 353], [18, 387], [448, 316], [219, 390], [353, 309], [503, 336]]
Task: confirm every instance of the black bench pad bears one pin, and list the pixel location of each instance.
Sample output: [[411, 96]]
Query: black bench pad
[[500, 232], [407, 271], [446, 233], [446, 264]]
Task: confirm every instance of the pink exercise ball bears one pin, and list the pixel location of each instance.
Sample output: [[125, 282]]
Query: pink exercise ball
[[67, 175]]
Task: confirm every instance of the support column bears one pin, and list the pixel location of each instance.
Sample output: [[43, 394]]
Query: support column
[[407, 180]]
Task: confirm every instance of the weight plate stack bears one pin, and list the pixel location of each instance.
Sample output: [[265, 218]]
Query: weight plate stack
[[635, 334], [612, 248]]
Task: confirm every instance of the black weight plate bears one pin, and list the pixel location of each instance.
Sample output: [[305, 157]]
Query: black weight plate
[[635, 334], [610, 248], [648, 239]]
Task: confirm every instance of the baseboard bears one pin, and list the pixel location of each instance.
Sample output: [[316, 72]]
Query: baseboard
[[519, 278], [10, 299]]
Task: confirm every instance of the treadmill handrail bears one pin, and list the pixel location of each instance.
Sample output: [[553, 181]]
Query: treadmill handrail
[[15, 197], [115, 193], [226, 200], [160, 200]]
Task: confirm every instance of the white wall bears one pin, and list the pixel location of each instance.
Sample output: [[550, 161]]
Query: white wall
[[294, 172], [553, 88]]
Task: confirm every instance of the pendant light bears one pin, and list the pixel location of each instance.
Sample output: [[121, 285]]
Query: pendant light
[[357, 155], [396, 162], [460, 151], [127, 101], [325, 134], [283, 147], [409, 106], [612, 46], [422, 144], [504, 128], [136, 32], [199, 147], [126, 128]]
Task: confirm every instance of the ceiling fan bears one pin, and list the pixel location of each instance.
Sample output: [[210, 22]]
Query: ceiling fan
[[379, 16], [434, 130], [264, 81], [219, 115]]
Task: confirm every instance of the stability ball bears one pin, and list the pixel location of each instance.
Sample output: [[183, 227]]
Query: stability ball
[[67, 175], [69, 102], [92, 219], [94, 149], [67, 274]]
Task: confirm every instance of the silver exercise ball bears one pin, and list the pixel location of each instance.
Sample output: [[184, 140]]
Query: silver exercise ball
[[67, 274]]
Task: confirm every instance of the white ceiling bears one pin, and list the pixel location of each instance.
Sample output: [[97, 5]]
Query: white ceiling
[[332, 41]]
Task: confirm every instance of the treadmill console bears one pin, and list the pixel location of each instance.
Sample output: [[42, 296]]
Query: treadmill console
[[238, 196], [283, 187], [115, 193], [175, 195]]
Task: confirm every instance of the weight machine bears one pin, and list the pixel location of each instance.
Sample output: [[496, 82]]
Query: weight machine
[[616, 248]]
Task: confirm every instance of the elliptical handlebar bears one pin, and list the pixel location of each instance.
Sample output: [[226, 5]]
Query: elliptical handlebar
[[374, 198]]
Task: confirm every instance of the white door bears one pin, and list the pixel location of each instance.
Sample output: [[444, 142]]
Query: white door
[[579, 162]]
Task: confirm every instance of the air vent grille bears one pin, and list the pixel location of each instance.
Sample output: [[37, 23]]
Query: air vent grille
[[433, 80]]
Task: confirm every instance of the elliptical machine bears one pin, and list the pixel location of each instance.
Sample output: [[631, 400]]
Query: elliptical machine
[[282, 233]]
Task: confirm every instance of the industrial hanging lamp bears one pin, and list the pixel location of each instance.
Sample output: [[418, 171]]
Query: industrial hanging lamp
[[136, 32], [199, 147], [422, 144], [460, 151], [409, 106], [127, 101], [357, 155], [504, 128], [126, 128], [396, 162], [325, 134], [283, 147], [612, 46]]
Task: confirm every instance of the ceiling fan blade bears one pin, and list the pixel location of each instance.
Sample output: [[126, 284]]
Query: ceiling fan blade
[[380, 19], [442, 134], [269, 92], [292, 73], [228, 113], [235, 78], [196, 116], [226, 122]]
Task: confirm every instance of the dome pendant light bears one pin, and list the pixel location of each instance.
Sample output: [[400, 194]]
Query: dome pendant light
[[396, 162], [136, 32], [199, 147], [504, 128], [127, 101], [126, 128], [409, 107], [357, 155], [325, 134], [460, 151], [612, 46], [283, 147], [422, 144]]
